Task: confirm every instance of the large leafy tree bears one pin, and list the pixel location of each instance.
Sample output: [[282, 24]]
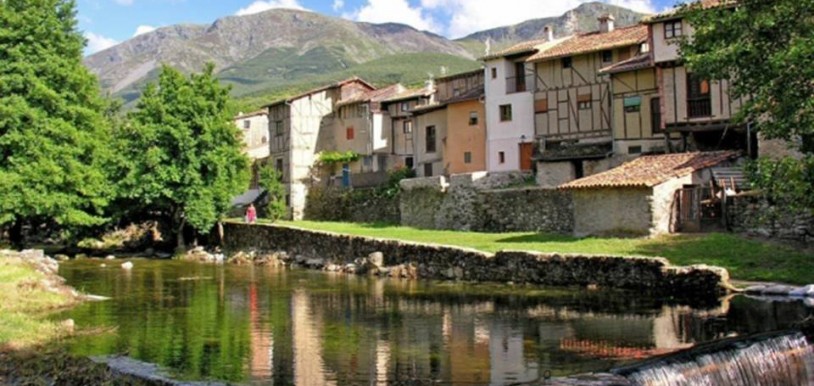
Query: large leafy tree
[[766, 48], [53, 133], [183, 153]]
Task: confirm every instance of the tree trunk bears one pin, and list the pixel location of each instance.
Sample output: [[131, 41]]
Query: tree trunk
[[15, 234]]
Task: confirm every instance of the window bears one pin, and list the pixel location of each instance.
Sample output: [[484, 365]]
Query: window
[[349, 133], [430, 139], [567, 62], [607, 56], [473, 118], [541, 106], [699, 103], [634, 150], [501, 157], [427, 170], [519, 77], [247, 124], [672, 29], [264, 139], [494, 73], [408, 127], [633, 104], [287, 200], [278, 129], [584, 101], [405, 106], [279, 166], [655, 114], [468, 157], [505, 113], [408, 161]]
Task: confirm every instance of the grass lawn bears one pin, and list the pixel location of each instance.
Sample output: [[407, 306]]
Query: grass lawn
[[24, 305], [744, 258]]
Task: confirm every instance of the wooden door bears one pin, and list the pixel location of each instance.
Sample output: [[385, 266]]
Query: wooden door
[[526, 151], [689, 209]]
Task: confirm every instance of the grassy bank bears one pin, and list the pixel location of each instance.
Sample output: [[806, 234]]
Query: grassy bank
[[25, 300], [744, 258]]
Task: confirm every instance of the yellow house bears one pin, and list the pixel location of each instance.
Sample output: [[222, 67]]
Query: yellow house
[[465, 145]]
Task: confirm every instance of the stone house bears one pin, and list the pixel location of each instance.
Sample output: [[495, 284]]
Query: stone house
[[255, 129], [509, 85], [573, 110], [465, 145], [652, 194], [402, 131], [300, 127]]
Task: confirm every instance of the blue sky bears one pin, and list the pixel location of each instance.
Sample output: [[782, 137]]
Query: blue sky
[[107, 22]]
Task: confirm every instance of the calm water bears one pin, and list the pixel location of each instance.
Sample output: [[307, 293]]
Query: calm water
[[258, 325]]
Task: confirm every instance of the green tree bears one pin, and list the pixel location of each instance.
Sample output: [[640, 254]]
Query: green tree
[[766, 48], [271, 181], [53, 133], [183, 153]]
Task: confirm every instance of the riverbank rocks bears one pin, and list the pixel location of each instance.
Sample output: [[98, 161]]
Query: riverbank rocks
[[416, 260], [48, 267]]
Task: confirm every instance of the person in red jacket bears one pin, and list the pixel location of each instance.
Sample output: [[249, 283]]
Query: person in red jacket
[[251, 214]]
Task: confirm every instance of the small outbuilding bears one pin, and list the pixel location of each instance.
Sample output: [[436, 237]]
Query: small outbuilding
[[652, 194]]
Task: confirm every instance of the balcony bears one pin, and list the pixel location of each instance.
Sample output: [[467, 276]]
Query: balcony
[[516, 84], [699, 107]]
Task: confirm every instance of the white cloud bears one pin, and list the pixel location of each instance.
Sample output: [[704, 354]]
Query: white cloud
[[143, 29], [338, 4], [261, 5], [396, 11], [97, 43], [124, 2], [468, 16]]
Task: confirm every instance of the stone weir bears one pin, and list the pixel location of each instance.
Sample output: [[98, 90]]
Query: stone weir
[[652, 274]]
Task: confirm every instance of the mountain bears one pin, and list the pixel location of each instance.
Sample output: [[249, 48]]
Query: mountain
[[277, 44], [580, 19]]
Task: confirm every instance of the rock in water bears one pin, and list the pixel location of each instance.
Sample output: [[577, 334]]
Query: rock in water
[[110, 257], [128, 265]]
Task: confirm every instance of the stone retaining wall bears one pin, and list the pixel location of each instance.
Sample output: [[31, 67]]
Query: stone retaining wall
[[442, 262], [753, 215], [353, 205]]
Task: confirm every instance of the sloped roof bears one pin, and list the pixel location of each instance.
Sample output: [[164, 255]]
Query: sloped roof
[[373, 95], [472, 94], [252, 114], [341, 83], [637, 62], [460, 75], [527, 47], [410, 94], [676, 12], [649, 171], [592, 42]]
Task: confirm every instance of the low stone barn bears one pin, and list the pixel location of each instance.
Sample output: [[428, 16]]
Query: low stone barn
[[645, 195]]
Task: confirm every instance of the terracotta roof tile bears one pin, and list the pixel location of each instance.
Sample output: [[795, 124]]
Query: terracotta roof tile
[[528, 47], [675, 12], [410, 94], [637, 62], [373, 95], [341, 83], [649, 171], [594, 41]]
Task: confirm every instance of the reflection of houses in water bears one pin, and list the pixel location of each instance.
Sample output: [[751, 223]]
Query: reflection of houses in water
[[308, 364], [262, 339]]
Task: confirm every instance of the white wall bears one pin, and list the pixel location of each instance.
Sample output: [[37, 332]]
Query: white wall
[[665, 50], [506, 136], [256, 137]]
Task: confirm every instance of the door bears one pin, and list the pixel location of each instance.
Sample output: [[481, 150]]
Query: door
[[689, 209], [526, 150]]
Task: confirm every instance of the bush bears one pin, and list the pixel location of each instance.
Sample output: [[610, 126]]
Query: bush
[[787, 183], [271, 181]]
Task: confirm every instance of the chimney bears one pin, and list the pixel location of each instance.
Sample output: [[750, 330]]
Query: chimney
[[549, 33], [606, 23]]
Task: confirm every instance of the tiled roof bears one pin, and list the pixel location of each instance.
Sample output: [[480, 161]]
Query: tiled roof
[[253, 114], [594, 41], [460, 75], [649, 171], [423, 109], [637, 62], [341, 83], [528, 47], [473, 94], [373, 95], [410, 94], [675, 12]]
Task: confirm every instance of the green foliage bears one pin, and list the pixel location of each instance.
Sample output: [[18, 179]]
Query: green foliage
[[181, 151], [271, 181], [787, 183], [53, 132], [393, 187], [334, 157], [767, 49]]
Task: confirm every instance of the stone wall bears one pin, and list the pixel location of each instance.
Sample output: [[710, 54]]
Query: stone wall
[[480, 202], [608, 211], [442, 262], [353, 205], [753, 215]]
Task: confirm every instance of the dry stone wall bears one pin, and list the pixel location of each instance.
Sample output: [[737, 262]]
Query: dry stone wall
[[353, 205], [754, 215], [443, 262]]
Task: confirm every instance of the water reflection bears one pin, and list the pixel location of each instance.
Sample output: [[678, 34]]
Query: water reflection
[[259, 326]]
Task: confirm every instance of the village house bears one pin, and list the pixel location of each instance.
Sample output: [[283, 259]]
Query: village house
[[301, 127], [402, 131], [362, 125], [255, 130], [430, 122], [573, 109], [509, 87], [652, 194], [465, 145]]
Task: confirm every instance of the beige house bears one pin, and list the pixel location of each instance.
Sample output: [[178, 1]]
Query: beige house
[[573, 109], [301, 127], [255, 129], [430, 125], [465, 145], [402, 126], [652, 194], [699, 110]]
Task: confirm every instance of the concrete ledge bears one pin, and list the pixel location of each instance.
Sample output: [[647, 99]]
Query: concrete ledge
[[653, 274]]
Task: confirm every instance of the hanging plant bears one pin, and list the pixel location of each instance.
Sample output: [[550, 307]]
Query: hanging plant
[[335, 157]]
